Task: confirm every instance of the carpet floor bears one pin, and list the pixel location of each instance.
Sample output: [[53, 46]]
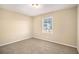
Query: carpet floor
[[36, 46]]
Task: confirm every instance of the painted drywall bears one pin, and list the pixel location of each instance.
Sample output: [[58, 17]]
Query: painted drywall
[[14, 27], [78, 28], [65, 29]]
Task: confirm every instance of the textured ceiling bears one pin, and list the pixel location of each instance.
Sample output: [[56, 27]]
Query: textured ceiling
[[30, 11]]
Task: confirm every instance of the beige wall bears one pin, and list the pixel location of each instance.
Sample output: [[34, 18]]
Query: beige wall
[[78, 28], [65, 28], [14, 27]]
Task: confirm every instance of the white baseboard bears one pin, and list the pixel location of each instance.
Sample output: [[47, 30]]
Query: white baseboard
[[55, 42], [27, 37]]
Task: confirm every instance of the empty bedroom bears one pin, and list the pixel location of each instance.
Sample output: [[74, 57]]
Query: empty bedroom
[[39, 29]]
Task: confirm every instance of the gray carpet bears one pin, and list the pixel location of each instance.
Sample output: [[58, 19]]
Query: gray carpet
[[36, 46]]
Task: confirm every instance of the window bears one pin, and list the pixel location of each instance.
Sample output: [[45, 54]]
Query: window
[[47, 24]]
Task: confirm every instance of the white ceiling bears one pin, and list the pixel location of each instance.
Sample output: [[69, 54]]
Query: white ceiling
[[30, 11]]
